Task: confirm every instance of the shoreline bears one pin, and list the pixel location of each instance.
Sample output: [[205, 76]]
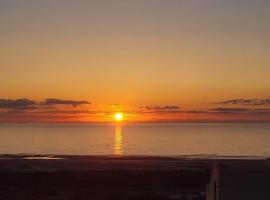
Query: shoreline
[[209, 157], [49, 162], [69, 177]]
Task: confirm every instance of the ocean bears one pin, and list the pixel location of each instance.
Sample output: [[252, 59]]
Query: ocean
[[150, 139]]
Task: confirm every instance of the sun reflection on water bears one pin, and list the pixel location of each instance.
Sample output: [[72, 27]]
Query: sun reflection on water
[[118, 139]]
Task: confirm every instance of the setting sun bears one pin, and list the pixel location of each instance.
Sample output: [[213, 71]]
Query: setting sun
[[118, 117]]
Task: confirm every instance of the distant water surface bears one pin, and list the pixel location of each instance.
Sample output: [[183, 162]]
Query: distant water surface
[[164, 139]]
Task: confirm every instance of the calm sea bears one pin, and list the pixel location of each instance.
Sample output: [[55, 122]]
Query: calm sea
[[165, 139]]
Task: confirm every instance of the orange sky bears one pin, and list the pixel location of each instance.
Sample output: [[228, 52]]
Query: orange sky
[[136, 54]]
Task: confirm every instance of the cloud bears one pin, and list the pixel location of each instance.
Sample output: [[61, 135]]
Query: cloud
[[18, 104], [239, 111], [248, 102], [230, 110], [168, 107], [159, 110], [195, 111], [51, 102], [24, 105], [262, 109], [61, 111]]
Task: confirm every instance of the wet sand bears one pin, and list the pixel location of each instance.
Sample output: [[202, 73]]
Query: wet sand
[[111, 177]]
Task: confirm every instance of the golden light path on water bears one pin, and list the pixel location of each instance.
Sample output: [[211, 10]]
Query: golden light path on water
[[118, 139]]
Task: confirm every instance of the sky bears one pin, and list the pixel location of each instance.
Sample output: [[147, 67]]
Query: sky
[[155, 60]]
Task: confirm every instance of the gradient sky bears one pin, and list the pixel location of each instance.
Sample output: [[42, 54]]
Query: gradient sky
[[136, 53]]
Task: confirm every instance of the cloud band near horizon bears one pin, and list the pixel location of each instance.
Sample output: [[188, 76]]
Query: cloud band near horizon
[[60, 110]]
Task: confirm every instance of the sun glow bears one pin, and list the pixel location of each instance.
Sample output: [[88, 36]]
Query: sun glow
[[118, 117]]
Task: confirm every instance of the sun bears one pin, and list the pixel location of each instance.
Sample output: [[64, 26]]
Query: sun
[[118, 117]]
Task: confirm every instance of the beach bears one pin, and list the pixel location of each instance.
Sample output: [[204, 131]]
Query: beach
[[113, 177]]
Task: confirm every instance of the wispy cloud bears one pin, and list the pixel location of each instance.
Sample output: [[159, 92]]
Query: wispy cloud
[[248, 102], [168, 107], [18, 104], [48, 110], [247, 111], [51, 102], [230, 110]]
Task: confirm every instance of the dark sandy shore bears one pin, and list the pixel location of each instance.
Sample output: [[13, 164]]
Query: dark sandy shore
[[111, 177]]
